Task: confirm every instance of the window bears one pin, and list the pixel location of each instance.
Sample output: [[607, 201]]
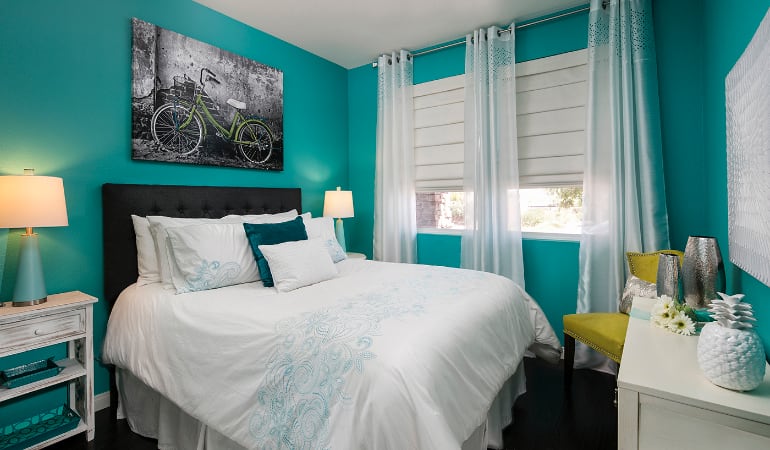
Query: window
[[551, 210], [551, 98]]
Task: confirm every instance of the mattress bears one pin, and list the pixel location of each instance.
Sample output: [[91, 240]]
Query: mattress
[[384, 356]]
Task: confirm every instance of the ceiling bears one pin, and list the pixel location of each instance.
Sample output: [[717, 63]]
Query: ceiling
[[352, 33]]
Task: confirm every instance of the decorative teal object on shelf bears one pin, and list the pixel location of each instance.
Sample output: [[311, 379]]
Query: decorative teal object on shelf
[[29, 373], [37, 429]]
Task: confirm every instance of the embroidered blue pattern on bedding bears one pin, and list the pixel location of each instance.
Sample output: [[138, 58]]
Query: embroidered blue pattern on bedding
[[321, 349], [211, 275]]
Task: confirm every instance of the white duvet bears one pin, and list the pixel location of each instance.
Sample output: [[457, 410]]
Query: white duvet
[[384, 356]]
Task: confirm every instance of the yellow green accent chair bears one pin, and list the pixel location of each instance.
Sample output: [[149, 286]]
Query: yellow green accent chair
[[605, 332]]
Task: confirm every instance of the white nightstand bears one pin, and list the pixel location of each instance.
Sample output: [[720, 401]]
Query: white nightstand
[[66, 317], [352, 255], [665, 401]]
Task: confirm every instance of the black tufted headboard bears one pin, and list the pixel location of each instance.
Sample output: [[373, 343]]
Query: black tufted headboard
[[119, 201]]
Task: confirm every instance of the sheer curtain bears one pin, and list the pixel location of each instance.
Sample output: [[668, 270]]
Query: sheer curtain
[[395, 229], [492, 238], [624, 206]]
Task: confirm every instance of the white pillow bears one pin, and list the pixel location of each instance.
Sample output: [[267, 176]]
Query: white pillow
[[323, 228], [209, 256], [249, 217], [297, 264], [158, 225], [146, 259]]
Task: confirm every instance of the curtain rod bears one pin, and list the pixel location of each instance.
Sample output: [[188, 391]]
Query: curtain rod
[[507, 30]]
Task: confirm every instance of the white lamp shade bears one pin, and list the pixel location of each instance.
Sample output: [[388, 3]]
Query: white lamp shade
[[338, 204], [32, 201]]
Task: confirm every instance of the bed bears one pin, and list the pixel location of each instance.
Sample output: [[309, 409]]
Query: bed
[[380, 356]]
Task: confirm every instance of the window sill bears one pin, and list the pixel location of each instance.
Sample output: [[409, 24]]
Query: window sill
[[538, 236], [440, 231], [529, 235]]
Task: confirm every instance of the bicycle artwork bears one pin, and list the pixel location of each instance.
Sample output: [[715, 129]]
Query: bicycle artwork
[[229, 113]]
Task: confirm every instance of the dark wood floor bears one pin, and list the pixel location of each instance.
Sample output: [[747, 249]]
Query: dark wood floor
[[544, 418]]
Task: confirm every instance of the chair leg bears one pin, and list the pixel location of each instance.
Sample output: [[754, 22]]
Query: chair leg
[[569, 360]]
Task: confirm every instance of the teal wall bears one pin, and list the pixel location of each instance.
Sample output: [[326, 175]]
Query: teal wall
[[727, 30], [66, 111], [550, 267]]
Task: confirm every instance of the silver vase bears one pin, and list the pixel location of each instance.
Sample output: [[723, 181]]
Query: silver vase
[[668, 276], [703, 272]]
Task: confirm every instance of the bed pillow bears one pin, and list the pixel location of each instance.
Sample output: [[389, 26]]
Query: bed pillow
[[299, 263], [271, 234], [323, 228], [146, 259], [158, 226], [258, 218], [210, 256]]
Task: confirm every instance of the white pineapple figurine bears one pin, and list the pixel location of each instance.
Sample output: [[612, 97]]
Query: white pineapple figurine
[[730, 352]]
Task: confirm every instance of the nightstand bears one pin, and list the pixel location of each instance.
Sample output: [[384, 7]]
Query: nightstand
[[66, 317], [352, 255], [665, 401]]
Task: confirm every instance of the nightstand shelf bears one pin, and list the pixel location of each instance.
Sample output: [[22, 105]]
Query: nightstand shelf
[[72, 369], [66, 317]]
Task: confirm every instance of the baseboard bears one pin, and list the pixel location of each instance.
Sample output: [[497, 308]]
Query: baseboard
[[102, 401]]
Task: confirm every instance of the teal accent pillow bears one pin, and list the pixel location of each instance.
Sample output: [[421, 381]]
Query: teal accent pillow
[[271, 234]]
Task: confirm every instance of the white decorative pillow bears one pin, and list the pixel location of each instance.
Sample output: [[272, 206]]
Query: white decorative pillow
[[323, 228], [297, 264], [158, 226], [209, 256], [146, 259], [259, 217]]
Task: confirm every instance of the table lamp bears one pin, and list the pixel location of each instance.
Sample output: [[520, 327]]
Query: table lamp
[[28, 201], [339, 204]]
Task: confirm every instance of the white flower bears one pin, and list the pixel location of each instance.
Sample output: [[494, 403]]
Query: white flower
[[662, 312], [666, 302], [681, 324]]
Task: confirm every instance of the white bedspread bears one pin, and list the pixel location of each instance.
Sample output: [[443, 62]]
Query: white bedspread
[[385, 356]]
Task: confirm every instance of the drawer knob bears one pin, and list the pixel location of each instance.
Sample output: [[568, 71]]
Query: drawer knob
[[39, 332]]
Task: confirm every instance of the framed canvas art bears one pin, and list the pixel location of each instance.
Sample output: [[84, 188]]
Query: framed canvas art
[[194, 103], [747, 109]]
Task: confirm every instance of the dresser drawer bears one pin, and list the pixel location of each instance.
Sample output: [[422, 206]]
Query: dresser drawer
[[39, 331]]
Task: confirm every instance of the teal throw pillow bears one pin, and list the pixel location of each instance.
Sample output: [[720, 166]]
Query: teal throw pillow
[[271, 234]]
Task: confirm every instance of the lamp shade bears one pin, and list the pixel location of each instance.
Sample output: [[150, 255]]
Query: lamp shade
[[338, 204], [30, 201]]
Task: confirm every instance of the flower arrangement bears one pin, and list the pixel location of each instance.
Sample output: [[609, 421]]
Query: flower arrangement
[[673, 316]]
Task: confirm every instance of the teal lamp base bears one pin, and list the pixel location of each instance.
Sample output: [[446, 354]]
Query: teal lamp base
[[30, 284], [339, 230]]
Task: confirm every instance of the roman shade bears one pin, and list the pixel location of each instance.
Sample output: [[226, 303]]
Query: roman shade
[[551, 97]]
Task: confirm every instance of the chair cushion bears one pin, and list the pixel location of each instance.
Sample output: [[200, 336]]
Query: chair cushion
[[645, 265], [603, 332]]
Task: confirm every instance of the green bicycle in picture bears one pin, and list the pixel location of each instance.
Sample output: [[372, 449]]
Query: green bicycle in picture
[[178, 126]]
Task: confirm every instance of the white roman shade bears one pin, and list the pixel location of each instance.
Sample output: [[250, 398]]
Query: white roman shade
[[550, 100], [439, 134], [551, 115]]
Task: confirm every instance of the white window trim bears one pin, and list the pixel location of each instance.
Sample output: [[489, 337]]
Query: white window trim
[[528, 235]]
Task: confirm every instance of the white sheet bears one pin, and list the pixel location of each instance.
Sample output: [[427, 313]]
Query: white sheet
[[383, 356]]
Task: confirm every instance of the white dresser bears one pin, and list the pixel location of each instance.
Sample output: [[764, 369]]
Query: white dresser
[[665, 402]]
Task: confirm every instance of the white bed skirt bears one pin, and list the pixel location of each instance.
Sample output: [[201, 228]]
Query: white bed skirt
[[152, 415]]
